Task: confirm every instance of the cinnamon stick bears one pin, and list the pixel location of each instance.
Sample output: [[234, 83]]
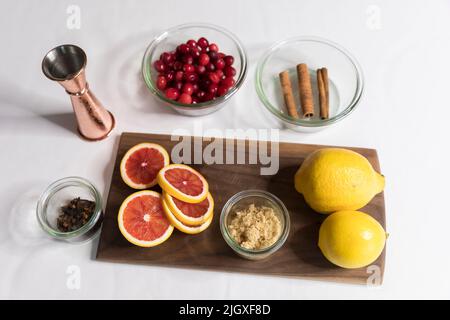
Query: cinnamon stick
[[325, 80], [322, 83], [286, 87], [305, 90]]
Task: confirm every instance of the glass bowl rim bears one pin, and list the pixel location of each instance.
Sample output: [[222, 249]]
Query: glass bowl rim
[[147, 69], [58, 185], [308, 123], [263, 194]]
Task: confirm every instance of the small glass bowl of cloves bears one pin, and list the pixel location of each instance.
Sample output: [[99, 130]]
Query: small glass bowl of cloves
[[70, 209]]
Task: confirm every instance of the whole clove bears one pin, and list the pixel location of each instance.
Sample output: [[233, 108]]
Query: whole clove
[[75, 214]]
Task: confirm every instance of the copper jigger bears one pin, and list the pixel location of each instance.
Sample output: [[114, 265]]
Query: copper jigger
[[65, 64]]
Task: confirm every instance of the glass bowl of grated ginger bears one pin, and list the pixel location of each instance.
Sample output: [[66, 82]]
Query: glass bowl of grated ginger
[[255, 224]]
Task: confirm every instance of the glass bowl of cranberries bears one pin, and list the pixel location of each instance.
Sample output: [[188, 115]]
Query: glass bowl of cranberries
[[195, 68]]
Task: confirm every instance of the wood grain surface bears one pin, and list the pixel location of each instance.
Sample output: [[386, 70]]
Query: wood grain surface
[[299, 257]]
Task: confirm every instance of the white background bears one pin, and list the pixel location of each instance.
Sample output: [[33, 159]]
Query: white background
[[404, 115]]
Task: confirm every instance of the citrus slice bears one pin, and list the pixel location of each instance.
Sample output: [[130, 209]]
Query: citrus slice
[[183, 183], [142, 220], [141, 164], [191, 214], [181, 226]]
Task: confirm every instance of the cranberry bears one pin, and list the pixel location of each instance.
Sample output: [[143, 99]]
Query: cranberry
[[229, 71], [185, 98], [204, 84], [229, 60], [170, 76], [210, 67], [159, 66], [195, 87], [213, 47], [179, 75], [220, 74], [177, 65], [178, 85], [195, 52], [228, 82], [222, 90], [195, 100], [188, 88], [168, 57], [188, 59], [220, 64], [221, 55], [214, 77], [213, 88], [188, 68], [183, 49], [161, 82], [200, 95], [213, 56], [203, 43], [209, 96], [191, 77], [172, 94], [172, 56], [191, 43], [201, 69], [203, 59], [170, 65]]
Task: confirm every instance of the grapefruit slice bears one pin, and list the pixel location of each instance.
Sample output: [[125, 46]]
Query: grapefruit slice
[[183, 182], [142, 220], [141, 164], [181, 226], [191, 214]]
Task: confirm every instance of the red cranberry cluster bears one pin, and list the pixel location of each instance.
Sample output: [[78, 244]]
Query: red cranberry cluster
[[195, 72]]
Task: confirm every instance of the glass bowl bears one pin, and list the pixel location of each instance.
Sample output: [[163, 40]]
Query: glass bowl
[[170, 39], [58, 194], [345, 80], [260, 198]]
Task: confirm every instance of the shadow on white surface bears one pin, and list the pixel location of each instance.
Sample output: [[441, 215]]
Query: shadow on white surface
[[24, 108], [23, 227], [109, 168], [94, 246], [107, 176], [65, 121]]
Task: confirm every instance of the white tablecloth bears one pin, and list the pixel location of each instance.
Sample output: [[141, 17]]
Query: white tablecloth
[[402, 46]]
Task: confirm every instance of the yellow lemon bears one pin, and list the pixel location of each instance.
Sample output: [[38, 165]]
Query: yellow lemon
[[334, 179], [351, 239]]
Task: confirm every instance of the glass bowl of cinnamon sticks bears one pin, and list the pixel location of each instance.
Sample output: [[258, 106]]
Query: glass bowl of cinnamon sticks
[[309, 83]]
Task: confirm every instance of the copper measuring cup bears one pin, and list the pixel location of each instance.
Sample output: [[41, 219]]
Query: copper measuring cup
[[66, 65]]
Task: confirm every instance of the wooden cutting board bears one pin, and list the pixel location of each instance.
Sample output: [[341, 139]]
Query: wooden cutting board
[[299, 257]]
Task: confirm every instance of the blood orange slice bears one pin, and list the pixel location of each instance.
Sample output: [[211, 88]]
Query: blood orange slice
[[191, 214], [141, 164], [142, 220], [183, 182], [183, 227]]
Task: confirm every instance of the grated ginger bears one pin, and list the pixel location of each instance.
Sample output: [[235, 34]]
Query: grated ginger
[[255, 227]]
